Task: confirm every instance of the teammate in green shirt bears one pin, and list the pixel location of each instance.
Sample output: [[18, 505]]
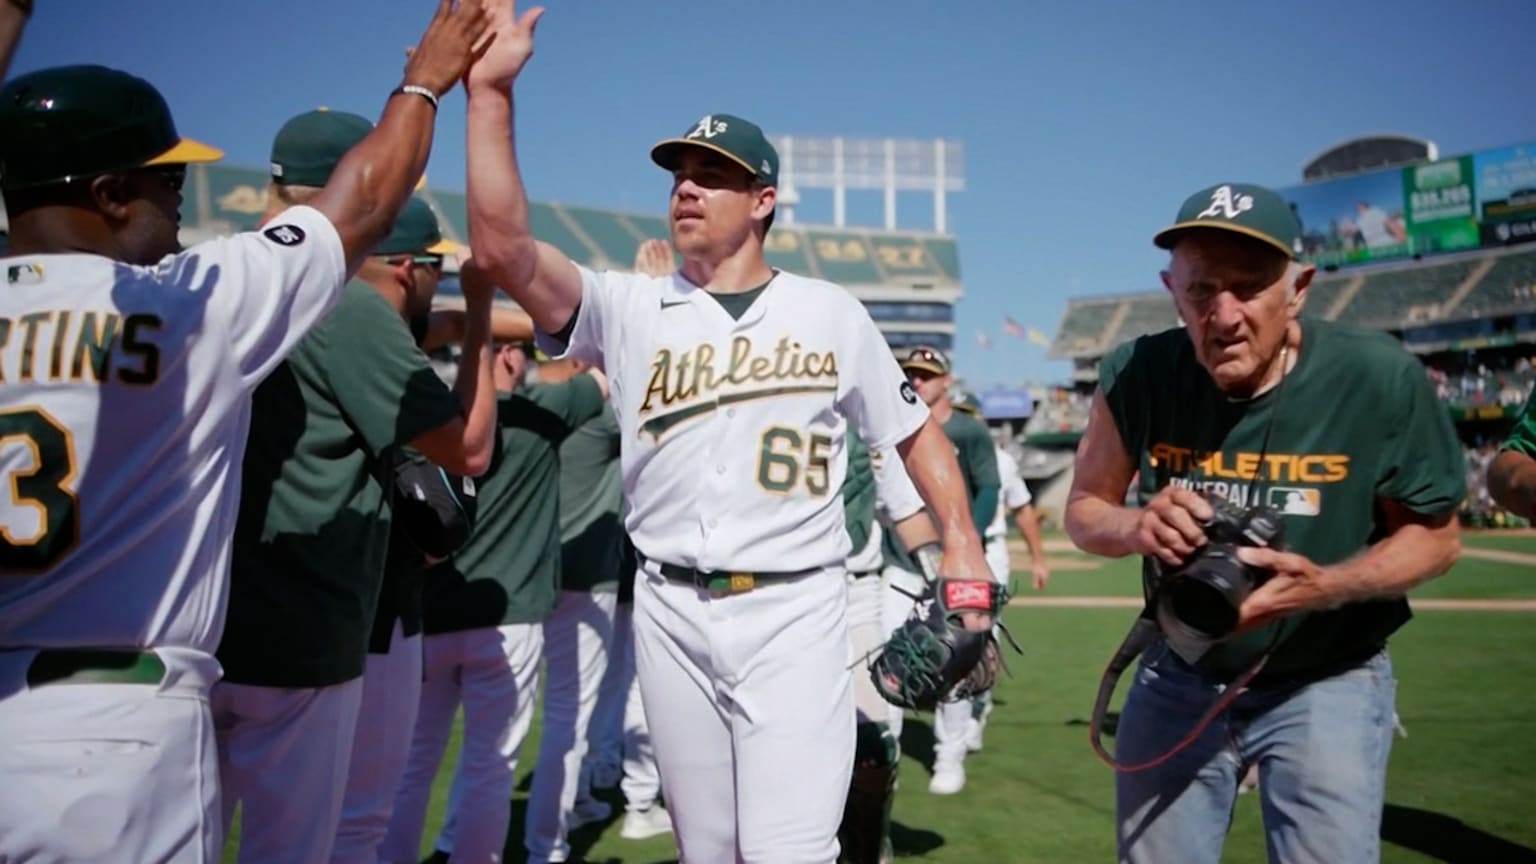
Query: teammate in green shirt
[[309, 542], [1512, 474], [1336, 429], [930, 373], [483, 613]]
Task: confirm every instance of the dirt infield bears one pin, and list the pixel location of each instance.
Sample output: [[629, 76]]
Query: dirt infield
[[1503, 555], [1424, 604]]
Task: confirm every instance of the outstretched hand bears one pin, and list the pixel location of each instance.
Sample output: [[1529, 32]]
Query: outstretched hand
[[510, 46], [448, 45]]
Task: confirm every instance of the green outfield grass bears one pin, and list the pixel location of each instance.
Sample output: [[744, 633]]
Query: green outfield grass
[[1461, 787]]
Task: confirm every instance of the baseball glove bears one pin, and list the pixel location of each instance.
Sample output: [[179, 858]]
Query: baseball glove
[[932, 657]]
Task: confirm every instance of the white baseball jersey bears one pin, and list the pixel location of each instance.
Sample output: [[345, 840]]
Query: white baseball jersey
[[733, 430], [1011, 497], [125, 395]]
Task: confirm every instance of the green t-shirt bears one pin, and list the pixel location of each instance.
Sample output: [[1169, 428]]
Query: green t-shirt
[[858, 492], [509, 569], [978, 465], [1522, 438], [590, 487], [1356, 421], [313, 526]]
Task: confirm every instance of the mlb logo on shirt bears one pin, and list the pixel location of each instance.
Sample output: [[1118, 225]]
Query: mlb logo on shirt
[[24, 274], [1295, 501]]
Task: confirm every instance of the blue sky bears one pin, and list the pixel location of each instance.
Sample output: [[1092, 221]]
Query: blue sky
[[1084, 123]]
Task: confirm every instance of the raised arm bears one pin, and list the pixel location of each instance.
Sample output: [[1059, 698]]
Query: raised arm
[[538, 276], [13, 17], [372, 182]]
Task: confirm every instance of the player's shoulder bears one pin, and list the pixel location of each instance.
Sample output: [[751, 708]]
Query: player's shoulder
[[1376, 348], [1156, 356], [819, 290]]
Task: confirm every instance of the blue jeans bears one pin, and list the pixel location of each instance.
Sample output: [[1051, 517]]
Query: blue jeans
[[1321, 750]]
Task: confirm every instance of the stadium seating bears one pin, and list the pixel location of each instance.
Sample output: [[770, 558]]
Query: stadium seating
[[1508, 286], [609, 231], [1147, 313], [1082, 328], [844, 258], [1395, 297], [1324, 293]]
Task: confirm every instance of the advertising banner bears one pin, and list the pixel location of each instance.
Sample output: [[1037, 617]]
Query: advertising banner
[[1352, 220], [1441, 215], [1506, 194]]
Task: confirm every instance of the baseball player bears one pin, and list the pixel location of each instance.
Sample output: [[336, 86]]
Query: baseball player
[[1013, 499], [875, 484], [734, 402], [482, 615], [115, 539], [431, 514], [929, 371], [313, 529]]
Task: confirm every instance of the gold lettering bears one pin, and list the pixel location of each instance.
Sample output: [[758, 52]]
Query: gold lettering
[[704, 368], [5, 337], [56, 351], [95, 340], [657, 387], [1247, 465], [29, 340]]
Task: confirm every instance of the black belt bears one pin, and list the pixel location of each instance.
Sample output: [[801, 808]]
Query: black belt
[[94, 666], [722, 581]]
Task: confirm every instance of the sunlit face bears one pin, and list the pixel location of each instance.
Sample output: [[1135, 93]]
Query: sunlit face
[[1233, 295], [715, 204], [930, 387]]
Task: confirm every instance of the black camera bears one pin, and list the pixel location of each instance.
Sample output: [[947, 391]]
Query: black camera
[[1199, 599]]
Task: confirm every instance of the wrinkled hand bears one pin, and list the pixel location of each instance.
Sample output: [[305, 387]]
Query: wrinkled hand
[[654, 258], [969, 565], [1169, 527], [510, 47], [448, 46], [1040, 574], [1297, 584]]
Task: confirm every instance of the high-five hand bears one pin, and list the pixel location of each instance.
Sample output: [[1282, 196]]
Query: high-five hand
[[511, 44], [448, 46]]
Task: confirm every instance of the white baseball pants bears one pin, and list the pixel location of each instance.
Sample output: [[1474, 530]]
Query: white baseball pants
[[750, 705], [641, 783], [109, 772], [492, 671], [577, 633], [283, 757], [866, 633], [385, 723], [605, 732], [952, 720]]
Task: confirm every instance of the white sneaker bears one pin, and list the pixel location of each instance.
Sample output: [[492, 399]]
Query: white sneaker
[[947, 779], [651, 822], [588, 811]]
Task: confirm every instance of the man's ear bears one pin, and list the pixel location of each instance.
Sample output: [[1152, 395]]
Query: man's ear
[[110, 194]]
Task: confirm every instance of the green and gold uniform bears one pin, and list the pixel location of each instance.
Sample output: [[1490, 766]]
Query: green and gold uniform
[[1354, 421]]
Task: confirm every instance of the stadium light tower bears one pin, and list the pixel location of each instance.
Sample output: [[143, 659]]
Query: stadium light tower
[[934, 165]]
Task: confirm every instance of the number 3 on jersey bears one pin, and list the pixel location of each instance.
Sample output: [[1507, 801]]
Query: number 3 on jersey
[[39, 482], [779, 465]]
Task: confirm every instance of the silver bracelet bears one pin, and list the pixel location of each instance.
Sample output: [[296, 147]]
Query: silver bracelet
[[424, 92]]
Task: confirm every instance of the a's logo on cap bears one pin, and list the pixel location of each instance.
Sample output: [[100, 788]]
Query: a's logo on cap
[[708, 127], [1225, 205], [285, 235]]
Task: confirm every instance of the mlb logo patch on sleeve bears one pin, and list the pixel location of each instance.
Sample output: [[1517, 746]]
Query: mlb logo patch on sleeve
[[30, 273], [285, 235]]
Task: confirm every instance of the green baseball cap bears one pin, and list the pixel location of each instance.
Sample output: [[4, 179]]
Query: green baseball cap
[[739, 140], [926, 358], [1244, 208], [415, 232], [309, 145], [68, 122], [964, 400]]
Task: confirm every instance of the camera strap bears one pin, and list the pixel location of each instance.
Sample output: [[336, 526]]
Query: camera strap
[[1145, 631]]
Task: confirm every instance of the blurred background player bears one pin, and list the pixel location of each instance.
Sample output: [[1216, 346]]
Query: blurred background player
[[430, 515], [111, 633], [929, 371], [313, 530], [483, 611], [1013, 500]]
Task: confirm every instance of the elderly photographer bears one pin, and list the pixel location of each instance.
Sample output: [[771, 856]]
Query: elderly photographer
[[1338, 431]]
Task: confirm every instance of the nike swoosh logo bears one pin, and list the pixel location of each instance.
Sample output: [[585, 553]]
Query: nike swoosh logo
[[666, 305]]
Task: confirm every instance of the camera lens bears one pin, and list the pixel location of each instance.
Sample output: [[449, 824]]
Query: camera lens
[[1203, 606]]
